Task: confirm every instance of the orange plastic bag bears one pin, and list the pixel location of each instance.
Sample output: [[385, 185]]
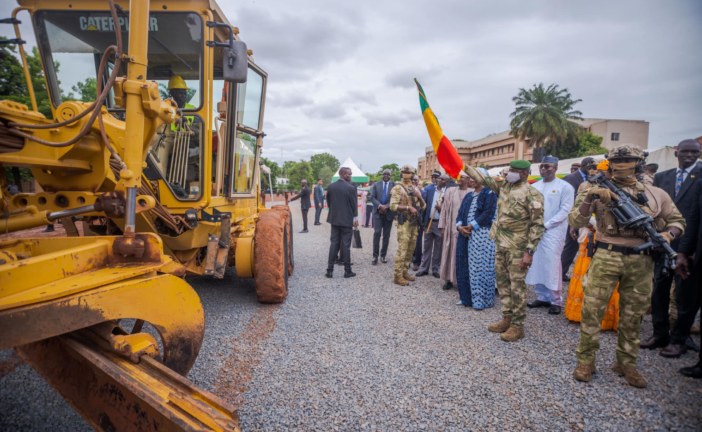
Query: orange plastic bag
[[574, 302]]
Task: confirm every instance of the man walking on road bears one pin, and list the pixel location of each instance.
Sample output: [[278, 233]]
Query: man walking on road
[[517, 229], [304, 197], [382, 216], [318, 201], [342, 215]]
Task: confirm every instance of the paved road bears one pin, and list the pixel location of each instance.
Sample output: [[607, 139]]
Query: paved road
[[363, 354]]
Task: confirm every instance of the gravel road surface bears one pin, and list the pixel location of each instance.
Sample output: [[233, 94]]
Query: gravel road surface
[[364, 354]]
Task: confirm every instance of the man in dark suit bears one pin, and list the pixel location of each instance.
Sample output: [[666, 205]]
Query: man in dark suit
[[304, 197], [571, 245], [382, 216], [318, 201], [684, 185], [689, 262], [433, 238], [342, 215]]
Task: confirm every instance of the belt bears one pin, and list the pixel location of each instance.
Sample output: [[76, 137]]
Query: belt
[[622, 249]]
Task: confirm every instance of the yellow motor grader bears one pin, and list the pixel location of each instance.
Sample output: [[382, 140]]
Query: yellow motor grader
[[157, 178]]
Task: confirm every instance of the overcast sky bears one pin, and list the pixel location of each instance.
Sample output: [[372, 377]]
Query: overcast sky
[[340, 73]]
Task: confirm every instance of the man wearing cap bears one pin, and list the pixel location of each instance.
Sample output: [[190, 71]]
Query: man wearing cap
[[545, 273], [517, 229], [570, 249], [618, 259], [382, 216], [431, 250], [449, 206], [406, 200]]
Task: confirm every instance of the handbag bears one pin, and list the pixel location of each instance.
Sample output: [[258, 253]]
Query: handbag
[[356, 243]]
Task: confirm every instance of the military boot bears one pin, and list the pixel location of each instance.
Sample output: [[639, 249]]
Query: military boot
[[408, 276], [630, 374], [399, 280], [513, 334], [501, 326], [584, 371]]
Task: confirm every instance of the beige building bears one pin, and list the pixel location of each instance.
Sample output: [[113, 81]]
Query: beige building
[[501, 148]]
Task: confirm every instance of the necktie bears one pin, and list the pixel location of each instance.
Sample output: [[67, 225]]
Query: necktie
[[385, 192], [679, 181]]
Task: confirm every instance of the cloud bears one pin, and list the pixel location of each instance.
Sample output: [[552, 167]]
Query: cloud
[[390, 119]]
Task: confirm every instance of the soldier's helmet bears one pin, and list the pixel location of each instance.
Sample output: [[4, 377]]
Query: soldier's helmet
[[626, 151], [408, 169]]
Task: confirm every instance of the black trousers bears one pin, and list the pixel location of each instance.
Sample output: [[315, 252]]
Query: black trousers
[[417, 257], [382, 225], [317, 213], [304, 219], [687, 299], [340, 240], [369, 213], [570, 250]]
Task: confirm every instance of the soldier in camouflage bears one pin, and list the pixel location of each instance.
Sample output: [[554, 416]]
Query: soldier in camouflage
[[406, 202], [617, 260], [517, 229]]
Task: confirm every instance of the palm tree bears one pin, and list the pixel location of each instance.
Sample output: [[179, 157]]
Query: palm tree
[[544, 116]]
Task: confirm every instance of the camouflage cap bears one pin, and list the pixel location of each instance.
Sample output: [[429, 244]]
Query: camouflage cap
[[626, 151], [408, 169], [520, 164]]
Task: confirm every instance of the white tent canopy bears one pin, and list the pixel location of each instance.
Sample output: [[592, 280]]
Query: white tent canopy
[[357, 176]]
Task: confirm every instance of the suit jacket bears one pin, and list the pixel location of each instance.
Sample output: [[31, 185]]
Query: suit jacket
[[342, 203], [318, 196], [575, 179], [376, 193], [428, 196], [691, 241], [304, 197], [689, 196]]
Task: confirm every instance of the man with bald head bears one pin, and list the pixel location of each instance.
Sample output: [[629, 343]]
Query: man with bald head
[[684, 185]]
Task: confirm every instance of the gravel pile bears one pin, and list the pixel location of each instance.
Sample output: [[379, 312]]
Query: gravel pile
[[364, 354]]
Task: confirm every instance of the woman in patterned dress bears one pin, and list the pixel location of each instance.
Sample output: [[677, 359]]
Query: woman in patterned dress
[[475, 251]]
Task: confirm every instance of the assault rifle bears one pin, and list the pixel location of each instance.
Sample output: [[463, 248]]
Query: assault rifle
[[630, 216]]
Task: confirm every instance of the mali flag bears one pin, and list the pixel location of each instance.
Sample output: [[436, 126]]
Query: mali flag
[[446, 153]]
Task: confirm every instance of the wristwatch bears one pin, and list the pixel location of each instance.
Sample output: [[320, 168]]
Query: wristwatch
[[530, 251]]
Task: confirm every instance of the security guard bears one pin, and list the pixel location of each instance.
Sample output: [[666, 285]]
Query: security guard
[[406, 201], [617, 260]]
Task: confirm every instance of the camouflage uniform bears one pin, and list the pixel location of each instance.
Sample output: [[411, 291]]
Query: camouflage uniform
[[406, 232], [633, 271], [518, 226]]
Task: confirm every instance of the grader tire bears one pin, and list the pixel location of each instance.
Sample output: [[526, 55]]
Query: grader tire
[[285, 210], [271, 258]]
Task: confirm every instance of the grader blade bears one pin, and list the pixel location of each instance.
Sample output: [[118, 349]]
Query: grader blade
[[114, 394]]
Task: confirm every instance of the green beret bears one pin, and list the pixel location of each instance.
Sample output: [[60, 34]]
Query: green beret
[[520, 164]]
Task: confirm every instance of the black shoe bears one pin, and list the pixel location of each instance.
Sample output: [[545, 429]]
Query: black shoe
[[383, 260], [538, 304], [447, 286], [436, 275], [421, 273], [554, 310], [329, 274], [691, 345], [673, 350], [349, 274], [375, 261], [318, 223], [653, 342], [303, 231], [692, 371]]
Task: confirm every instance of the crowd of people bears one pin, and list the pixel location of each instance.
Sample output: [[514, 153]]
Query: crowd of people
[[501, 235]]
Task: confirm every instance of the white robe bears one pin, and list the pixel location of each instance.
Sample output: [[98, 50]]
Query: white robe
[[546, 266], [450, 205]]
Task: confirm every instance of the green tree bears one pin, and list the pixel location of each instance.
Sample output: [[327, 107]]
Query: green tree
[[394, 172], [590, 144], [275, 172], [544, 115], [326, 174], [321, 160], [87, 90], [12, 85], [296, 171]]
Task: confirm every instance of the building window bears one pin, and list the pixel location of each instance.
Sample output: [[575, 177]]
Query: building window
[[615, 136]]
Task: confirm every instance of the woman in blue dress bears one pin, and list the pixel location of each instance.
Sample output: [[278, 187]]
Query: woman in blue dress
[[475, 252]]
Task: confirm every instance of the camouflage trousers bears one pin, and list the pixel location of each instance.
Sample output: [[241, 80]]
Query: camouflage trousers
[[406, 241], [510, 284], [634, 274]]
